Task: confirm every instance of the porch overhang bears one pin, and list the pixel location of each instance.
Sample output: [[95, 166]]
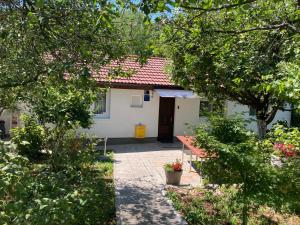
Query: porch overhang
[[168, 93]]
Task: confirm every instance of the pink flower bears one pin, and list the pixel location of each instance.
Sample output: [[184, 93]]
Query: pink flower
[[287, 150]]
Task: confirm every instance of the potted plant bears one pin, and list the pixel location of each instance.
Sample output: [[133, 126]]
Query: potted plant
[[173, 172]]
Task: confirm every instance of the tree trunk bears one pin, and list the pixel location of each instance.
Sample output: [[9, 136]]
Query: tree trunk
[[262, 127], [263, 118], [245, 215], [1, 110]]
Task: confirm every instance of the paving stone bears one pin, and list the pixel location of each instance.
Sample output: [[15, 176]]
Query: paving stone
[[140, 179]]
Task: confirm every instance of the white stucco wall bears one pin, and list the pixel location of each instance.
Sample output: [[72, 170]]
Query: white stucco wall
[[233, 108], [123, 118], [7, 117], [186, 115]]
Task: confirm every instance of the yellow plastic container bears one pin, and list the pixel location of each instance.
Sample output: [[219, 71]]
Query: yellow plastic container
[[140, 131]]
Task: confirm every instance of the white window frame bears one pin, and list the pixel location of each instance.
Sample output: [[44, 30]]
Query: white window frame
[[106, 114]]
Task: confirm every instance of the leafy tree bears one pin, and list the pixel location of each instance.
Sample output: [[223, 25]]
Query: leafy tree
[[59, 106], [48, 51], [63, 103], [41, 40], [239, 159], [8, 99], [136, 33], [246, 51]]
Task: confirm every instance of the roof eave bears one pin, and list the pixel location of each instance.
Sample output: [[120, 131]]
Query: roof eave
[[138, 86]]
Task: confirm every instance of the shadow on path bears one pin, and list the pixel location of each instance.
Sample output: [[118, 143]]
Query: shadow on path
[[140, 201]]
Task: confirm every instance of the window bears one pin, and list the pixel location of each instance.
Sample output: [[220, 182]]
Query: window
[[136, 101], [252, 111], [101, 105], [146, 95], [205, 107], [209, 107]]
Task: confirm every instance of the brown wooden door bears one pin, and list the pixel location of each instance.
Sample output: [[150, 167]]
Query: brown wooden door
[[166, 119]]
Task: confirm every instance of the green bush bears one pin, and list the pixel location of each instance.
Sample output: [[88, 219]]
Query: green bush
[[213, 207], [289, 173], [71, 148], [29, 138], [239, 158], [229, 130], [207, 207], [35, 194]]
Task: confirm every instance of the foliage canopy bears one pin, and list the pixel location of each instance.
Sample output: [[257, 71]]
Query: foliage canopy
[[239, 158], [246, 51]]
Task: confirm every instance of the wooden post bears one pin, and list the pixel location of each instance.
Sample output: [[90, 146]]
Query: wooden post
[[182, 152], [105, 140], [191, 157]]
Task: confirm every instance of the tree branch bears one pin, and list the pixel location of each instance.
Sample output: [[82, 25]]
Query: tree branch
[[226, 6], [1, 110], [269, 27], [271, 115]]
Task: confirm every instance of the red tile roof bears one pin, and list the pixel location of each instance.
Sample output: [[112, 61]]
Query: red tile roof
[[152, 73]]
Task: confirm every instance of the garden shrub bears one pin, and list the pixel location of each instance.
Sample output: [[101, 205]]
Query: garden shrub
[[229, 130], [29, 138], [285, 135], [72, 148], [239, 158], [288, 138], [207, 207], [35, 194], [219, 206], [15, 179]]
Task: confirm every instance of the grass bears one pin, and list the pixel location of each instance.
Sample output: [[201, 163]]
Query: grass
[[208, 207], [81, 194]]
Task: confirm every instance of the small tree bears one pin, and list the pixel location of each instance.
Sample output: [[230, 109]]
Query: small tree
[[239, 158], [62, 106]]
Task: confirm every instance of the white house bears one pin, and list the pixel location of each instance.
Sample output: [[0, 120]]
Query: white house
[[149, 98]]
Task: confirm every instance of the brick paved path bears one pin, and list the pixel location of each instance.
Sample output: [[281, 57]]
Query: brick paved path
[[140, 179]]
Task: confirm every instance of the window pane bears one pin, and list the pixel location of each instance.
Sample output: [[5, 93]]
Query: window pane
[[136, 101], [147, 96], [252, 111], [205, 107], [211, 107], [100, 104]]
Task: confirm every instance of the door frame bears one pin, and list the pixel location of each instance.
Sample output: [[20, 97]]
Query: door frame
[[164, 139]]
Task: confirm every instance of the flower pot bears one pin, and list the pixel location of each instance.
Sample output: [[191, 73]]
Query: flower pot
[[276, 161], [173, 177]]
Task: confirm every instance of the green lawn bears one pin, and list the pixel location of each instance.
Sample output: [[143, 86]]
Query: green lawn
[[31, 193]]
